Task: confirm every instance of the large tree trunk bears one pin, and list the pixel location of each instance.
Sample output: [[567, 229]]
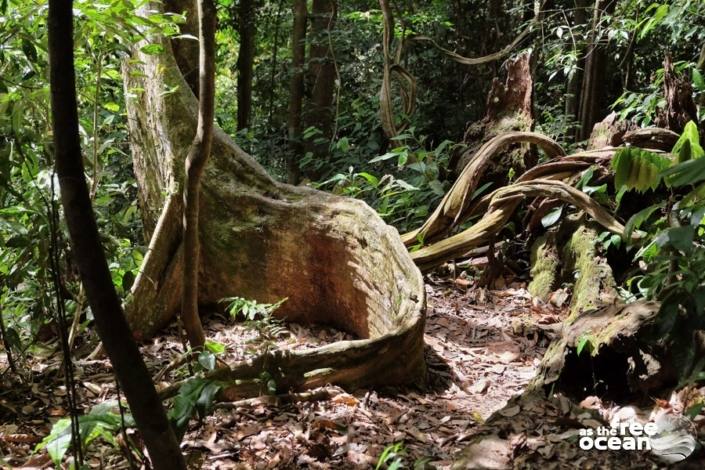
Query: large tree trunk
[[296, 92], [245, 60], [333, 258], [320, 112], [87, 249]]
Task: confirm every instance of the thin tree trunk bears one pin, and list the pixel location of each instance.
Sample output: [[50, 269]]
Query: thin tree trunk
[[572, 99], [88, 252], [296, 91], [594, 88], [247, 30], [195, 163], [321, 110], [273, 72]]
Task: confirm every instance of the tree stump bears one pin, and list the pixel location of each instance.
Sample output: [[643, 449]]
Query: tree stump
[[509, 108]]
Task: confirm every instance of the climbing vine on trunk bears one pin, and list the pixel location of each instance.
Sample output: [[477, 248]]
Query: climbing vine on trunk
[[195, 163]]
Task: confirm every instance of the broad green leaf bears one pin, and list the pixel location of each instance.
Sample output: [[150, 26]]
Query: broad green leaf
[[113, 107], [206, 397], [680, 238], [638, 219], [688, 145], [686, 173], [371, 179], [638, 169], [698, 81], [214, 346]]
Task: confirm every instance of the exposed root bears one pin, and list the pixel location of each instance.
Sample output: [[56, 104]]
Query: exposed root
[[449, 212], [502, 205]]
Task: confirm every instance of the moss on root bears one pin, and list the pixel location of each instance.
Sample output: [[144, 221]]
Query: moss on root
[[594, 282], [544, 267]]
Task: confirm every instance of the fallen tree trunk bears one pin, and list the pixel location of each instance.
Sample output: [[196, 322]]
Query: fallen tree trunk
[[333, 259]]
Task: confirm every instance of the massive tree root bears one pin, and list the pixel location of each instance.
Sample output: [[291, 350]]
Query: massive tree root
[[332, 258]]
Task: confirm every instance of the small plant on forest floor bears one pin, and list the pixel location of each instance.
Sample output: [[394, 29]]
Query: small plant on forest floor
[[196, 397], [393, 458], [260, 318], [101, 422]]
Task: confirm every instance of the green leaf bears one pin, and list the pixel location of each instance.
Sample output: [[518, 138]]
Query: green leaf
[[371, 179], [386, 156], [58, 441], [113, 107], [205, 400], [552, 217], [437, 187], [152, 49], [638, 169], [698, 81], [638, 219], [687, 146], [100, 422], [584, 341], [343, 144], [214, 346], [686, 173], [680, 238], [481, 190], [207, 360]]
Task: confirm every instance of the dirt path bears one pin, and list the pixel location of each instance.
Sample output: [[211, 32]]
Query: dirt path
[[476, 363]]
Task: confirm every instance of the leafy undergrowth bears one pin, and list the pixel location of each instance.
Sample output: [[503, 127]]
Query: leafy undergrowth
[[480, 354]]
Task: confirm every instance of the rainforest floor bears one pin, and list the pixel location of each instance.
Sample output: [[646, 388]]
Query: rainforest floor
[[480, 353]]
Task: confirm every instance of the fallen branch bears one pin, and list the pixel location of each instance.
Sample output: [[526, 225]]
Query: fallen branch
[[652, 138], [279, 400]]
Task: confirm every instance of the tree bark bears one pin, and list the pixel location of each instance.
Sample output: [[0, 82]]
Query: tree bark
[[88, 252], [320, 111], [509, 107], [572, 100], [296, 91], [186, 48], [247, 29], [333, 258], [195, 163], [678, 92], [594, 90]]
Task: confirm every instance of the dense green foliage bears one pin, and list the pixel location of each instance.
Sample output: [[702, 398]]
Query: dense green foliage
[[403, 178]]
